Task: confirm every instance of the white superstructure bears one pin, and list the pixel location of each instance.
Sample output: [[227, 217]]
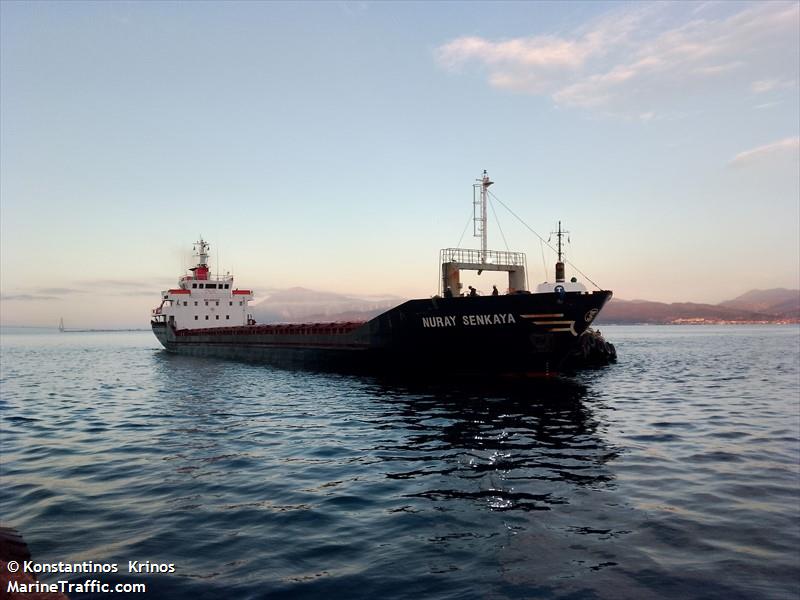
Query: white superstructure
[[202, 300]]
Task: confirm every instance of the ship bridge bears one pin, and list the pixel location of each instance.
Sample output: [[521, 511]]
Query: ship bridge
[[455, 260]]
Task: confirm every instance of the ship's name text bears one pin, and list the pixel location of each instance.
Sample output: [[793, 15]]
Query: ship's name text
[[468, 320]]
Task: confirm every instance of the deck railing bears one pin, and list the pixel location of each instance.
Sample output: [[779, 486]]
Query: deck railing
[[492, 257]]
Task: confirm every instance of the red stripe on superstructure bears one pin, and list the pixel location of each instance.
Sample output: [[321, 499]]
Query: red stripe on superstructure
[[245, 292], [179, 291]]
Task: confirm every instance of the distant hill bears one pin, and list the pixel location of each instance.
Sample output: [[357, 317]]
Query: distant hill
[[778, 301], [755, 306], [301, 304]]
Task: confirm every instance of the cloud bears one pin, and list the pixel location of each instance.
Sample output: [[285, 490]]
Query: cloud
[[141, 293], [354, 8], [26, 297], [50, 293], [542, 51], [105, 284], [782, 148], [96, 287], [630, 61], [767, 85], [60, 291]]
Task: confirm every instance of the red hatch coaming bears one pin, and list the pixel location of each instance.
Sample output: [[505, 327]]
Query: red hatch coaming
[[279, 329]]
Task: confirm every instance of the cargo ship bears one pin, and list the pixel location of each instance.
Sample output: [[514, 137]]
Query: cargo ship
[[517, 332]]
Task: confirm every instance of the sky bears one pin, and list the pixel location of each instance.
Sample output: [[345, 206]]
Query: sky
[[334, 145]]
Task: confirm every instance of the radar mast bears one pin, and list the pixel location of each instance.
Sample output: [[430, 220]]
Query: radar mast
[[479, 200], [201, 248], [560, 264]]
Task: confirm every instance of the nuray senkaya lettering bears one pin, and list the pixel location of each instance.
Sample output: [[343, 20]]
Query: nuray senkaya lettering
[[469, 320]]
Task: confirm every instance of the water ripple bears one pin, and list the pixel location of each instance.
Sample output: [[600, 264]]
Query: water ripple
[[671, 474]]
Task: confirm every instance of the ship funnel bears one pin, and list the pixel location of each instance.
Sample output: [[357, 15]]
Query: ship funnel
[[559, 272]]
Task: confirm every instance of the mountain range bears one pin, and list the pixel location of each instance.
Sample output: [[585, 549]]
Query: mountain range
[[299, 304], [756, 306], [776, 305]]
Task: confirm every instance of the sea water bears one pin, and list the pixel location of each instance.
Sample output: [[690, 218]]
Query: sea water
[[672, 474]]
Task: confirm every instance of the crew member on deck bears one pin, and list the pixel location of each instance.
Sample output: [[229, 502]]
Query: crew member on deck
[[448, 293], [494, 291], [472, 292]]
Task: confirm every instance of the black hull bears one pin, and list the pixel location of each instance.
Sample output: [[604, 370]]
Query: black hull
[[514, 334]]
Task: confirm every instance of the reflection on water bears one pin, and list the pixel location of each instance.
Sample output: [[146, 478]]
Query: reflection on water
[[264, 483], [504, 447]]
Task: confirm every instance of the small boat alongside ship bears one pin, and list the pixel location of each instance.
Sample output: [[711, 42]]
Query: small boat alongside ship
[[520, 332]]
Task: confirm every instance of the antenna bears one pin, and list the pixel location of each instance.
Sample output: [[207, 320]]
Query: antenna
[[560, 264], [479, 211], [201, 248], [559, 234]]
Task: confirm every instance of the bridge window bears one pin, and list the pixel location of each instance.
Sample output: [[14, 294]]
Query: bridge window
[[185, 303], [226, 286], [206, 317], [195, 302], [217, 317], [227, 317], [211, 286], [195, 317], [230, 303], [194, 285], [200, 285]]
